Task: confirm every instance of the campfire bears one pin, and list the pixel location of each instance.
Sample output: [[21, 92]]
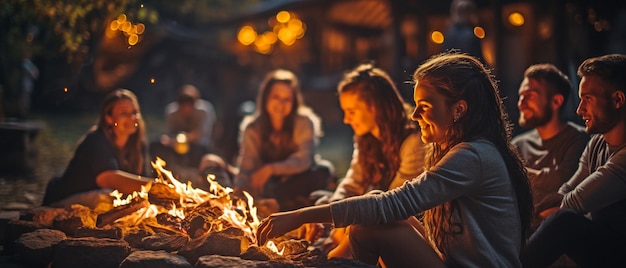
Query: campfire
[[177, 207], [167, 217]]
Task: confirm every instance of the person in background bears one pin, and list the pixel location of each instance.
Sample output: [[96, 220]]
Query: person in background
[[278, 144], [110, 156], [589, 225], [192, 115], [475, 193], [388, 150], [552, 148], [460, 34], [189, 125]]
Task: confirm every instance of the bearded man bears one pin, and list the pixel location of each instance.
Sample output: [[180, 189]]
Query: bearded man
[[552, 147], [589, 222]]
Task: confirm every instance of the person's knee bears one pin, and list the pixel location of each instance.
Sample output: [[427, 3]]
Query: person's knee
[[564, 217]]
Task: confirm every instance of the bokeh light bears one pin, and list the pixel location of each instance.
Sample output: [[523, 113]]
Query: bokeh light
[[437, 37], [131, 30], [283, 16], [284, 26], [516, 19], [246, 35], [133, 39], [479, 32]]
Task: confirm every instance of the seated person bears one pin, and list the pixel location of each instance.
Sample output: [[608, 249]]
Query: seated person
[[111, 156], [474, 191], [189, 126], [552, 147], [388, 150], [589, 225], [278, 143]]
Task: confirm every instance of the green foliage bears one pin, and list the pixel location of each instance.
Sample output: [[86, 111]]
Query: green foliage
[[49, 29]]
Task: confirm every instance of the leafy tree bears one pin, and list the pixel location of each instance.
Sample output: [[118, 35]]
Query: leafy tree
[[71, 29], [66, 28]]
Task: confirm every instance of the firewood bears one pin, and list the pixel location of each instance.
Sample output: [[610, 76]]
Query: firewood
[[121, 211]]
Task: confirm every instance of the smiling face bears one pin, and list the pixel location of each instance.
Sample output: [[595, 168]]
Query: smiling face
[[595, 106], [360, 116], [434, 116], [124, 117], [279, 101], [533, 104]]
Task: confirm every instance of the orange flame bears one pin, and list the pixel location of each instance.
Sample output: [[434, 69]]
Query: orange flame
[[247, 221]]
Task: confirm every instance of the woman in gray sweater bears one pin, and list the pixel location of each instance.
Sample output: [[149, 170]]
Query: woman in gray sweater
[[278, 145], [474, 193]]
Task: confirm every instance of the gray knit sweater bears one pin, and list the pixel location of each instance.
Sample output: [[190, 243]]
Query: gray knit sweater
[[474, 176]]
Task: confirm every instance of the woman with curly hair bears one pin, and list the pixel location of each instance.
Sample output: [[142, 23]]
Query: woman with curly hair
[[388, 149]]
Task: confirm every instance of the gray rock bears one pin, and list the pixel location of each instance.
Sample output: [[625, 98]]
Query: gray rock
[[37, 247], [154, 259], [90, 252], [217, 261]]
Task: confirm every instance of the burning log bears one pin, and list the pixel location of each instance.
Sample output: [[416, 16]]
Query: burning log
[[121, 211], [166, 242], [163, 195], [204, 218], [219, 243]]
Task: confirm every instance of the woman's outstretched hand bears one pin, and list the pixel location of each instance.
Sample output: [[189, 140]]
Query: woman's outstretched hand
[[277, 224], [281, 223]]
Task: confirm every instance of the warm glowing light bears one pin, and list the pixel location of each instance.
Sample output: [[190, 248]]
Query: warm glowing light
[[479, 32], [181, 138], [133, 39], [294, 24], [437, 37], [140, 28], [283, 16], [261, 46], [121, 18], [286, 36], [115, 25], [516, 19], [269, 37], [241, 213], [246, 35], [65, 89], [126, 26], [152, 80]]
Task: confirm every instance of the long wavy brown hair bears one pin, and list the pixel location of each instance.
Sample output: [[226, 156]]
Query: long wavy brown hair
[[133, 151], [261, 118], [379, 159], [462, 77]]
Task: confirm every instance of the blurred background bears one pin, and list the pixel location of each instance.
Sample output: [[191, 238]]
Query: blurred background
[[59, 58]]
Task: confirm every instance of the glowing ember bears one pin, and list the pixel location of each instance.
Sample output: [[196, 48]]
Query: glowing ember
[[270, 244]]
